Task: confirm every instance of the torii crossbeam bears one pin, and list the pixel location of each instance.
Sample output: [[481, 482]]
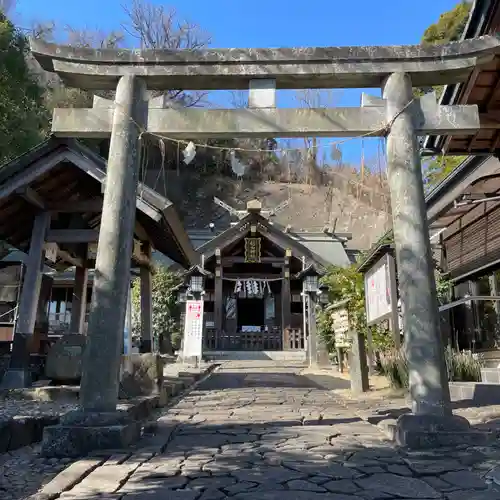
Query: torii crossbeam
[[399, 116]]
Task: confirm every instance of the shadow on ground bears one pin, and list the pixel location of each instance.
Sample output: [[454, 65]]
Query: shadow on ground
[[274, 435], [275, 460]]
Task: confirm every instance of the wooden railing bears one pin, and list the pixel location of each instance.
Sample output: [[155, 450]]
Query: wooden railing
[[294, 339], [270, 340]]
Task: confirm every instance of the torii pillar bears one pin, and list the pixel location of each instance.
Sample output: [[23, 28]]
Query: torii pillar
[[98, 424], [432, 422]]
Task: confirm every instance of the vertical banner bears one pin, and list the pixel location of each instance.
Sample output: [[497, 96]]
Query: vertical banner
[[193, 329]]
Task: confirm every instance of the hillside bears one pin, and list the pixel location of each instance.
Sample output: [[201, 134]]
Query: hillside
[[361, 214]]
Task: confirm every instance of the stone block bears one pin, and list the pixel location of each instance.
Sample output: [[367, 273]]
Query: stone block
[[77, 440], [141, 408], [435, 431], [95, 419], [427, 440], [173, 386], [5, 429], [358, 365], [22, 432], [64, 359], [481, 393], [143, 377], [70, 476]]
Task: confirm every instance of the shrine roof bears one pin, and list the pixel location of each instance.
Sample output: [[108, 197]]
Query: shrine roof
[[481, 87], [323, 253], [292, 68], [64, 172]]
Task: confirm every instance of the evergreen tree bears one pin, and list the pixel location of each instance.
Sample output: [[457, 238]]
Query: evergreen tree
[[449, 28], [24, 119]]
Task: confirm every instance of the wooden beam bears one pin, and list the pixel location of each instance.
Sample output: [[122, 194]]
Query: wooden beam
[[77, 206], [496, 142], [227, 261], [142, 261], [463, 98], [27, 176], [67, 257], [219, 309], [79, 300], [491, 96], [30, 292], [140, 232], [146, 304], [490, 120], [286, 300], [72, 236], [257, 276], [32, 197], [471, 141]]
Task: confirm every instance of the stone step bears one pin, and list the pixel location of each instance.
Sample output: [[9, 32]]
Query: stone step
[[297, 356]]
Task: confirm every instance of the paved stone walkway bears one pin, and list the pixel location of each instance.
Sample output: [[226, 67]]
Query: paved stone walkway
[[260, 431]]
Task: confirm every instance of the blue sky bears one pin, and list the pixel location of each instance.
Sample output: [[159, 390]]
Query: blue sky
[[267, 23]]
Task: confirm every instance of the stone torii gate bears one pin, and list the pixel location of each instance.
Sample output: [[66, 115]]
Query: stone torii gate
[[398, 116]]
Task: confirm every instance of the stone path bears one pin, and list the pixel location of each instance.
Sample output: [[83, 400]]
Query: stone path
[[261, 431]]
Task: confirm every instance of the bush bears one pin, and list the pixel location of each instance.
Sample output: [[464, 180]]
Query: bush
[[165, 309], [394, 365], [462, 366]]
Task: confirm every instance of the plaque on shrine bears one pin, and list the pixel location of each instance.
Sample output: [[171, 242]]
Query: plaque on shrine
[[252, 250]]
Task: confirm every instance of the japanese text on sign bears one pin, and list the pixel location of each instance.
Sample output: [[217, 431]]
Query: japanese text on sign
[[193, 328], [378, 283]]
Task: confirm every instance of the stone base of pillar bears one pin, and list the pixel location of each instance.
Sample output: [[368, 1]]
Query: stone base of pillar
[[18, 374], [16, 379], [420, 432], [80, 433]]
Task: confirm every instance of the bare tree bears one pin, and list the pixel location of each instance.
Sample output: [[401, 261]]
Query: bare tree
[[93, 39], [157, 27], [314, 99]]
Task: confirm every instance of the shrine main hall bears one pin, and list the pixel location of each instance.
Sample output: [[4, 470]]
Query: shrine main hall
[[253, 275]]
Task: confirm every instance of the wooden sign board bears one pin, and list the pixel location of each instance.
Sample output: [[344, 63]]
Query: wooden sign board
[[340, 319], [380, 291], [193, 329]]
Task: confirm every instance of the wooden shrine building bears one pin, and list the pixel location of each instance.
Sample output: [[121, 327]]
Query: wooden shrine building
[[50, 207], [252, 289]]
